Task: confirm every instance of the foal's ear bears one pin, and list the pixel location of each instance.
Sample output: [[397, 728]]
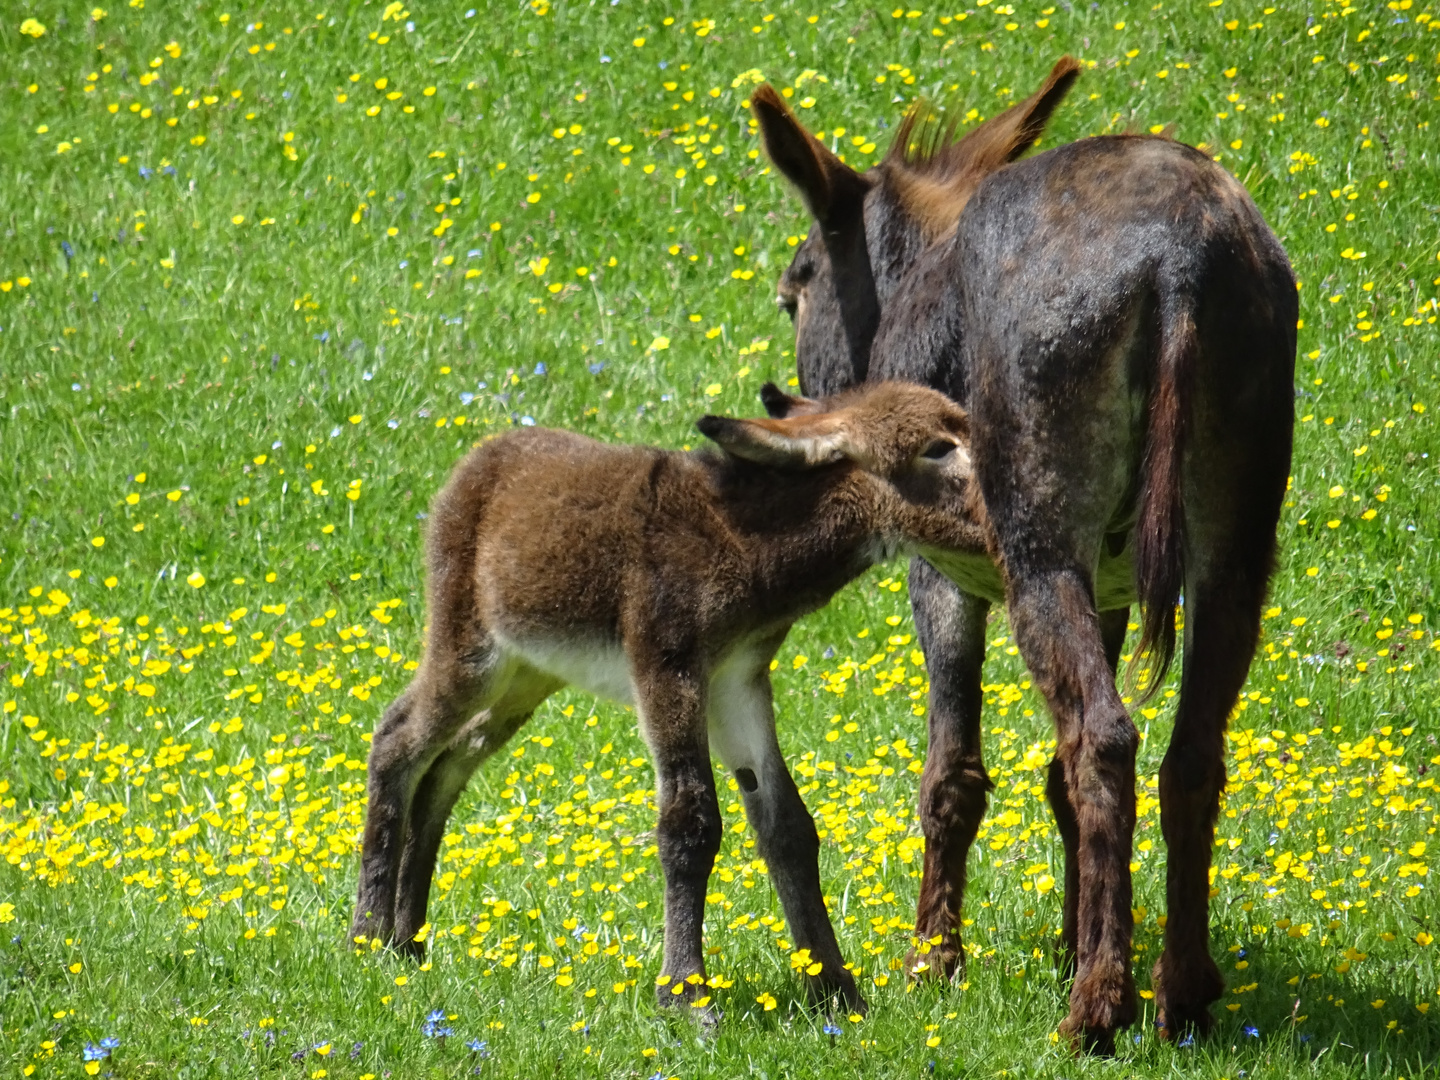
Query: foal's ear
[[823, 179], [781, 405], [798, 443]]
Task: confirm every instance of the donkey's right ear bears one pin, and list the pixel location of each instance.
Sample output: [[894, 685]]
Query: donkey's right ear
[[780, 405], [801, 158]]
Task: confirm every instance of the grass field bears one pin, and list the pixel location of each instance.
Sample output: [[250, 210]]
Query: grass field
[[267, 270]]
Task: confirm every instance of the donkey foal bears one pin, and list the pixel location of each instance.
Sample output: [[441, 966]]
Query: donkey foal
[[666, 581]]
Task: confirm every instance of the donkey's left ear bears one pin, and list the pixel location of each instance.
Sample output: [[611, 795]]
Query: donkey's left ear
[[781, 405], [799, 443]]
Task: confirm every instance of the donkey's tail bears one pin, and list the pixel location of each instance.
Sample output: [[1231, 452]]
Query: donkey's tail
[[1160, 531]]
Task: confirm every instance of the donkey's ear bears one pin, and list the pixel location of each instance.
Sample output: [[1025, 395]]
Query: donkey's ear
[[934, 177], [801, 158], [781, 405], [799, 443], [1004, 138]]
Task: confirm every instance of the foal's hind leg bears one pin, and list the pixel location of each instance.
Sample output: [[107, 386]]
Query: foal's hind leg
[[1113, 625], [954, 785], [414, 731], [438, 790]]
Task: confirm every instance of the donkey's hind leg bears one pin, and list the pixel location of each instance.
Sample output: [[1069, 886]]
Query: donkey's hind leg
[[1222, 625], [415, 730], [440, 788], [954, 785], [1058, 631], [1113, 624]]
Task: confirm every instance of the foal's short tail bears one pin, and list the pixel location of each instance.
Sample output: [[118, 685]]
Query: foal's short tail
[[1160, 531]]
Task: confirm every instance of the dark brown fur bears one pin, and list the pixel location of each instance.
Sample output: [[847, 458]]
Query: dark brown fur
[[1120, 322], [668, 580]]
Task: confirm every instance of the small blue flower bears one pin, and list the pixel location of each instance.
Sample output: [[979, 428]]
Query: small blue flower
[[392, 424], [1252, 1031], [466, 397], [540, 368], [830, 1028], [597, 367], [478, 1046], [1187, 1041], [109, 1042], [94, 1053], [527, 421]]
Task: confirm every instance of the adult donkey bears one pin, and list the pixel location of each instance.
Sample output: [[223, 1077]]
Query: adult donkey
[[1119, 322]]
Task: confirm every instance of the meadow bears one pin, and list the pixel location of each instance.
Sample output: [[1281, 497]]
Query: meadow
[[268, 269]]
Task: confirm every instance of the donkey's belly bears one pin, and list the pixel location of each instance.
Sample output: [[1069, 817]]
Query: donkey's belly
[[1115, 581], [977, 575]]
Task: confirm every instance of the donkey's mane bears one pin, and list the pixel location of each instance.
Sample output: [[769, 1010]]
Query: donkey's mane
[[936, 170]]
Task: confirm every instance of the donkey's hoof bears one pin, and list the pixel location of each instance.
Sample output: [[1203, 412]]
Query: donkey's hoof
[[692, 1001], [1179, 1024], [365, 928], [842, 992], [1101, 1003], [942, 962], [1182, 1001], [1097, 1042]]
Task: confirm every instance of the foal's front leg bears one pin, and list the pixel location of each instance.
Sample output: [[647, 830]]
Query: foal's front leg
[[742, 733], [672, 710]]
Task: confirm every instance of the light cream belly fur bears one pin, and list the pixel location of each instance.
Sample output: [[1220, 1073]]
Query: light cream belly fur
[[977, 575]]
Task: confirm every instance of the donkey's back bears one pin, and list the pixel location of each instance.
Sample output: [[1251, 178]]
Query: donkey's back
[[1128, 349]]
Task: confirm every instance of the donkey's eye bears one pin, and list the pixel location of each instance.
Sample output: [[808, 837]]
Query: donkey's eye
[[938, 449]]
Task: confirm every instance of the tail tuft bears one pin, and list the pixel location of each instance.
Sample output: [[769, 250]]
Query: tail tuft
[[1160, 532]]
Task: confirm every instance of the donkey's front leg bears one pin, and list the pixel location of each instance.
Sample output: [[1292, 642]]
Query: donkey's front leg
[[672, 711], [1059, 635], [1113, 625], [954, 785]]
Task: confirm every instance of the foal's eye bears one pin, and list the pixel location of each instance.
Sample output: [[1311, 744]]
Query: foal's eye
[[938, 449]]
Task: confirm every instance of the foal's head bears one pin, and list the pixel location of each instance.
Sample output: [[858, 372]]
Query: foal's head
[[910, 443], [870, 227]]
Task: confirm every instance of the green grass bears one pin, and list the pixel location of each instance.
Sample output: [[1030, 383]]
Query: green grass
[[185, 406]]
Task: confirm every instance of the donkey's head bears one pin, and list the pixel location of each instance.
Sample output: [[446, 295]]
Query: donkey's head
[[911, 443], [870, 227]]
